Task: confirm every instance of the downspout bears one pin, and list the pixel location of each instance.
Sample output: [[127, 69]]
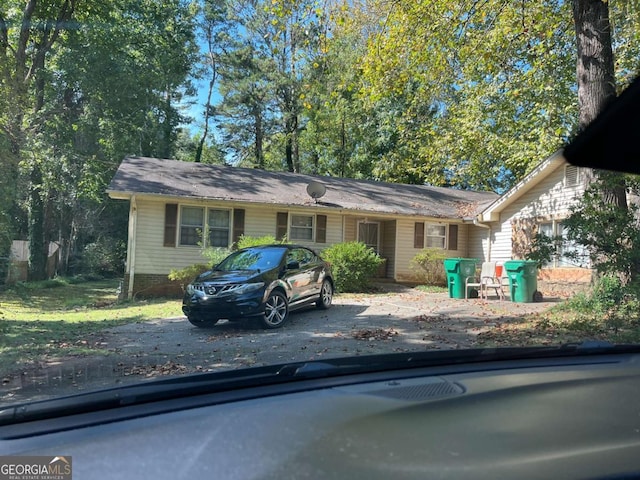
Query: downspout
[[133, 227], [488, 227]]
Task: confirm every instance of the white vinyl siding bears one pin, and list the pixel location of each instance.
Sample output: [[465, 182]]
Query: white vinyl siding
[[152, 257], [550, 199], [405, 250], [478, 238]]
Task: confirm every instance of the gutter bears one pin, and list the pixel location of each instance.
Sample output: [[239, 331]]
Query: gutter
[[477, 223], [133, 227]]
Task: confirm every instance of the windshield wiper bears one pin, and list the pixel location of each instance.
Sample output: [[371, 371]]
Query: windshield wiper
[[239, 380]]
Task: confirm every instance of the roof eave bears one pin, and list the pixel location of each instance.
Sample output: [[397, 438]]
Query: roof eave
[[492, 212]]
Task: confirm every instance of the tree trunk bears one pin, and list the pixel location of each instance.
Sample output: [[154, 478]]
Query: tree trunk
[[596, 78], [258, 152], [288, 148], [37, 248], [596, 82], [296, 145], [595, 71]]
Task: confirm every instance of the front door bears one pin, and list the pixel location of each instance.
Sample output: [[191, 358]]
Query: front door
[[369, 234]]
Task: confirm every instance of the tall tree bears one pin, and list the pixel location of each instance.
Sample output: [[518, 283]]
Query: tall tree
[[262, 78], [27, 38], [95, 83], [497, 76], [603, 221]]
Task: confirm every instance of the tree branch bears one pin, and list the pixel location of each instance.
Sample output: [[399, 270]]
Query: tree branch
[[50, 36], [25, 32], [4, 37]]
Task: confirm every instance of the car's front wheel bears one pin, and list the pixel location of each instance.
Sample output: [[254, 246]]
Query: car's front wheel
[[276, 310], [201, 322], [326, 295]]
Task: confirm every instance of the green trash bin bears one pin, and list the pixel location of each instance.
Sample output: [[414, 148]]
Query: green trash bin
[[457, 270], [523, 280]]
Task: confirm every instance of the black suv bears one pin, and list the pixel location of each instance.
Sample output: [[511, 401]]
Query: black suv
[[264, 281]]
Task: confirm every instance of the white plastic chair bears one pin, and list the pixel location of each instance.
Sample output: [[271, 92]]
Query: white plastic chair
[[494, 282], [487, 277]]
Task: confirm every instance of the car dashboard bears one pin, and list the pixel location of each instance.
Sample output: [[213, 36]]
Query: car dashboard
[[576, 417]]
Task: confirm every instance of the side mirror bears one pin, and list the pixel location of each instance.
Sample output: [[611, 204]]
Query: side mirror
[[293, 265]]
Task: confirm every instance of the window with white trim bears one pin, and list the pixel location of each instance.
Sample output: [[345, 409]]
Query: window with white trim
[[436, 236], [301, 228], [567, 252], [191, 225]]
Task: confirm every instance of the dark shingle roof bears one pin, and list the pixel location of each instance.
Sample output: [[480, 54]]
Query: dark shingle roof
[[153, 176]]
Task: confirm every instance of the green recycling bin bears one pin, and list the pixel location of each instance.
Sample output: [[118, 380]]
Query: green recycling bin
[[457, 270], [523, 280]]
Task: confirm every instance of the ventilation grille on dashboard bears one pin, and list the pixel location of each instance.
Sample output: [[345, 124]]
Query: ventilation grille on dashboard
[[418, 392]]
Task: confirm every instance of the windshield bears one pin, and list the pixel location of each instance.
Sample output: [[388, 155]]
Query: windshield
[[252, 259], [406, 158]]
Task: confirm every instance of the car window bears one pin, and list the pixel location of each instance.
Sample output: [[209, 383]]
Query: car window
[[252, 259], [300, 255]]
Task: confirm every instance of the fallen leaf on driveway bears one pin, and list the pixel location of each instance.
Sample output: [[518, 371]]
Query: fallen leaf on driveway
[[168, 368], [377, 334]]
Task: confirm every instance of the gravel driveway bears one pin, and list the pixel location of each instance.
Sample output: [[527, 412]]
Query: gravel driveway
[[398, 319]]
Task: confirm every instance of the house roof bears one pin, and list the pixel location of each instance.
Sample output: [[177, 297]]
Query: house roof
[[533, 178], [153, 176]]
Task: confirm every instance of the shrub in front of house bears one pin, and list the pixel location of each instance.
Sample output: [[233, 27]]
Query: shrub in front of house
[[185, 275], [353, 265], [246, 241], [428, 267], [215, 254]]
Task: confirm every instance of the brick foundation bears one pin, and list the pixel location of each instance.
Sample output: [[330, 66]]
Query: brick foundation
[[147, 286], [563, 282]]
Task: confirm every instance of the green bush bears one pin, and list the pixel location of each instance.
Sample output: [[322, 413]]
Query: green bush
[[185, 275], [104, 257], [353, 265], [215, 254], [609, 306], [428, 267], [246, 241]]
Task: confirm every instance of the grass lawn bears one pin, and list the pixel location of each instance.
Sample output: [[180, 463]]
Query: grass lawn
[[47, 319]]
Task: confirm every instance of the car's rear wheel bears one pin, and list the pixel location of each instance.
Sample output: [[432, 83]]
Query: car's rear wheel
[[276, 310], [201, 322], [326, 295]]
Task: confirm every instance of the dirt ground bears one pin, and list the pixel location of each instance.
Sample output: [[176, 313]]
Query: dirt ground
[[398, 319]]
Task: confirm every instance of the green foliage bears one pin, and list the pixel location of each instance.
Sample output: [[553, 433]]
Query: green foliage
[[543, 249], [101, 82], [609, 306], [609, 232], [104, 257], [185, 275], [215, 254], [428, 266], [353, 264], [247, 241]]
